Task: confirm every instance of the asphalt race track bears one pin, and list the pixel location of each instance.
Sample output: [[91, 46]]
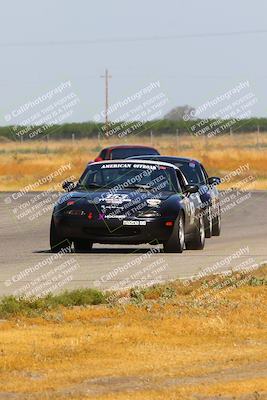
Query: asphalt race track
[[26, 264]]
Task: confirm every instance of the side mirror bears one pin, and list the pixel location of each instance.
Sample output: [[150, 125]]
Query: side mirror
[[214, 180], [98, 159], [68, 185], [191, 189]]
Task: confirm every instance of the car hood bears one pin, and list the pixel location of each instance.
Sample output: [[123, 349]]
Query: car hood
[[117, 198]]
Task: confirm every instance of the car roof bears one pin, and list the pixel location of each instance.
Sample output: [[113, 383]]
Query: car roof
[[171, 158], [127, 160], [125, 146]]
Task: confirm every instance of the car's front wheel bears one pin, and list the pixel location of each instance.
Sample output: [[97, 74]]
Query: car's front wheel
[[197, 240], [82, 246], [57, 242], [175, 243]]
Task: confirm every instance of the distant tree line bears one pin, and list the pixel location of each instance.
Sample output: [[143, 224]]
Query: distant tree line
[[159, 127]]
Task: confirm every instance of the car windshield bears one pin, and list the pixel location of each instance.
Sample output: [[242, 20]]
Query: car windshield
[[125, 152], [192, 172], [130, 176]]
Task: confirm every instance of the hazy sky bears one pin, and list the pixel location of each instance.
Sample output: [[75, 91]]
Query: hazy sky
[[190, 70]]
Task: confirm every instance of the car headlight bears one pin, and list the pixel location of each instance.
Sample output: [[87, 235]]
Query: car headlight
[[153, 202], [149, 214]]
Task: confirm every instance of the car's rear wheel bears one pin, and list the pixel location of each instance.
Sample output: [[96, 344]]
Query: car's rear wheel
[[175, 243], [82, 246], [208, 223], [57, 242], [216, 224], [197, 240]]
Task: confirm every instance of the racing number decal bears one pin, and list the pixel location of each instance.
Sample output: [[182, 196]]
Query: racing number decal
[[192, 212], [190, 209], [186, 204]]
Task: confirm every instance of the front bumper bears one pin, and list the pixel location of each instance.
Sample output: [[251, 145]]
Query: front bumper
[[114, 231]]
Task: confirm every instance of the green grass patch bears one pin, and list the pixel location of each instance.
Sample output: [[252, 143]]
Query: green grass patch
[[139, 296], [34, 306]]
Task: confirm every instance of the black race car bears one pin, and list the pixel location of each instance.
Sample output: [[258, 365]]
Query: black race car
[[128, 202], [195, 174]]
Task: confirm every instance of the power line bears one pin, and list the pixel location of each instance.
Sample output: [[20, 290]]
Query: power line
[[131, 39]]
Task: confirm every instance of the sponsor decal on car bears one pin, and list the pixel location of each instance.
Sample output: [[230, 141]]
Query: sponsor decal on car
[[101, 217], [109, 207], [138, 166], [115, 198], [114, 216], [130, 223], [153, 202]]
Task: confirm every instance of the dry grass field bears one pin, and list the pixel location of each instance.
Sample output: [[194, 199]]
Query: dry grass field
[[22, 164], [166, 347]]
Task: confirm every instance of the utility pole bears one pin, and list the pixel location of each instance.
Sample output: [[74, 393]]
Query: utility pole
[[107, 77]]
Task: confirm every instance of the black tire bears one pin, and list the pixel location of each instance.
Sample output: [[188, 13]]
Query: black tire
[[197, 240], [57, 242], [208, 223], [216, 224], [175, 243], [82, 246]]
